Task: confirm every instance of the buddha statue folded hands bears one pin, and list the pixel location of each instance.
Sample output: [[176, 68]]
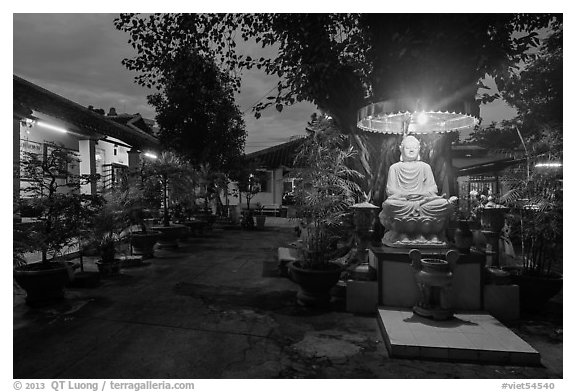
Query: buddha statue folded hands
[[413, 214]]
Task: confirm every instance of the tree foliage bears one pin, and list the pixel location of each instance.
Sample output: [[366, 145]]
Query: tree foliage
[[336, 60], [196, 112], [536, 92], [341, 62]]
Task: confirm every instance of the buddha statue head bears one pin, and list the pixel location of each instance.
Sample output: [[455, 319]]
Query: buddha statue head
[[409, 149]]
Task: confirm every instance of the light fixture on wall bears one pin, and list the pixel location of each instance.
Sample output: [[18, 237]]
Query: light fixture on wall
[[27, 122], [548, 164], [51, 127]]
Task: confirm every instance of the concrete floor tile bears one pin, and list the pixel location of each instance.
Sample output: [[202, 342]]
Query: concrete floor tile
[[205, 310]]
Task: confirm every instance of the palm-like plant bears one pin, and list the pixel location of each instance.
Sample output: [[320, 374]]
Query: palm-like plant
[[536, 201], [325, 193]]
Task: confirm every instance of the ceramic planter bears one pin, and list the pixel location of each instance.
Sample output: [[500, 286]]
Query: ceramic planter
[[169, 235], [315, 284], [260, 220], [143, 243], [109, 268], [44, 282], [536, 290]]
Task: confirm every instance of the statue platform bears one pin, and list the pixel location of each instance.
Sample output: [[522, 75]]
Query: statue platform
[[467, 337], [397, 285]]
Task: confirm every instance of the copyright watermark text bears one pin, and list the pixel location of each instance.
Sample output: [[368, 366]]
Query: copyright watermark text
[[102, 385]]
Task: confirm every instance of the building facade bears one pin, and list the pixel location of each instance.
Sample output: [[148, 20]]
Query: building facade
[[103, 145]]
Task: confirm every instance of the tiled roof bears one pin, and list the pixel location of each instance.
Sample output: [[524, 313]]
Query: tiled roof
[[486, 165], [281, 155], [28, 95]]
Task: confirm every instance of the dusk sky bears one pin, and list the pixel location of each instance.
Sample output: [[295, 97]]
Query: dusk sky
[[78, 56]]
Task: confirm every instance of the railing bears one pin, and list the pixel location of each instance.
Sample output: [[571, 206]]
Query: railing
[[111, 175]]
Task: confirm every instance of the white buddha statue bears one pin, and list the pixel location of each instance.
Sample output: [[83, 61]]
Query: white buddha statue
[[413, 214]]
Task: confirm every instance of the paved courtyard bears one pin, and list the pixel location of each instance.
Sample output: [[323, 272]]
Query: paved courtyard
[[215, 308]]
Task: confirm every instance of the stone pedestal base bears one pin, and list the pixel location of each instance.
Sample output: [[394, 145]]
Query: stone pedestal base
[[400, 240], [361, 296], [397, 285], [436, 314]]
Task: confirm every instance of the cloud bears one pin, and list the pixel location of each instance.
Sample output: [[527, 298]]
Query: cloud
[[79, 57]]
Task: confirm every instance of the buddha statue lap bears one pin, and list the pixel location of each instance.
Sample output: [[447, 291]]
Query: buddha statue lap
[[413, 214]]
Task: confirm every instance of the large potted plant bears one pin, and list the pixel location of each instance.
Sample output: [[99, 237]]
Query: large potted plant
[[107, 228], [168, 170], [536, 214], [323, 199], [136, 197], [52, 189]]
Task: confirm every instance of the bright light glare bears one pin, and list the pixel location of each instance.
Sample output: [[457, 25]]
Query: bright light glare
[[549, 164], [50, 126], [150, 155], [422, 118]]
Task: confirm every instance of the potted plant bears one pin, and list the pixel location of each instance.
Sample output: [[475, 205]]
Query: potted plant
[[135, 205], [167, 171], [107, 227], [52, 190], [323, 199], [249, 187], [536, 214], [260, 217]]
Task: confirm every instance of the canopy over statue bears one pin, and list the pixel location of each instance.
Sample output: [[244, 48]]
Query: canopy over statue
[[413, 214]]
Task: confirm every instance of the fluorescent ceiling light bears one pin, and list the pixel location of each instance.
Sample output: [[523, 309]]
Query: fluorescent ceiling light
[[150, 155], [548, 164], [52, 127]]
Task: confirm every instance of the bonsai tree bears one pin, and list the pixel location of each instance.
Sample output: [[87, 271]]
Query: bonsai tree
[[54, 194], [61, 213], [325, 194]]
